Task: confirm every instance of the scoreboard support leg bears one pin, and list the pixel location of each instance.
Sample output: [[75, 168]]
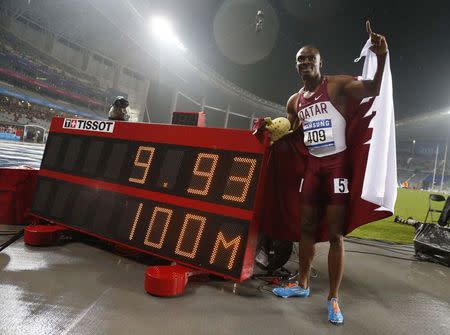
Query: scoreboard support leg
[[168, 280], [43, 235]]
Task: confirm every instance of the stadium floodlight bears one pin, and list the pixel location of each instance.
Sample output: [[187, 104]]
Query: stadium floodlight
[[162, 29]]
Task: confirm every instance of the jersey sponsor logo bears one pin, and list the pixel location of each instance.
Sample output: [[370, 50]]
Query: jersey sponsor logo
[[325, 123], [90, 125], [317, 98]]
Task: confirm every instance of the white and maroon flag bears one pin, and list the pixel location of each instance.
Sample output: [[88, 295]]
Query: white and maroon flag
[[380, 179]]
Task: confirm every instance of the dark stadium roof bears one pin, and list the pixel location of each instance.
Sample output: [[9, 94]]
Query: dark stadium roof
[[432, 126]]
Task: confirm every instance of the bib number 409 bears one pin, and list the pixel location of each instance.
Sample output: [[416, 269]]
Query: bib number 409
[[316, 136]]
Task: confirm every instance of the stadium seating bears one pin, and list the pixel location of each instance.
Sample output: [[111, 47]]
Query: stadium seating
[[417, 171], [21, 66], [19, 112]]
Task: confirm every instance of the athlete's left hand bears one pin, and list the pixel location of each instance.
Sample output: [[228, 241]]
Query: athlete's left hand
[[379, 46]]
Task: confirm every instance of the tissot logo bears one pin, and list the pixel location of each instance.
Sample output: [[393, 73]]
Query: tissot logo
[[91, 125]]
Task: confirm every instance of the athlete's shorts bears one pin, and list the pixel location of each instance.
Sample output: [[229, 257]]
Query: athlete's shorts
[[326, 180]]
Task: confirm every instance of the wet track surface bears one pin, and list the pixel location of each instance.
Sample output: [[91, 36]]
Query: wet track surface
[[14, 154], [80, 289]]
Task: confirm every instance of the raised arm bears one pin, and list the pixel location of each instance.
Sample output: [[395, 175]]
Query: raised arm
[[368, 88]]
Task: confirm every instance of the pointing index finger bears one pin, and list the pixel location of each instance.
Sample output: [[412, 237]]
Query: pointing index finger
[[369, 30]]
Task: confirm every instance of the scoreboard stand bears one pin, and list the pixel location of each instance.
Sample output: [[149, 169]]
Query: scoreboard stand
[[44, 235], [168, 280], [190, 195], [160, 280]]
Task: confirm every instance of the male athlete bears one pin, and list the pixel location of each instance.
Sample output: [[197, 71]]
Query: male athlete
[[321, 109]]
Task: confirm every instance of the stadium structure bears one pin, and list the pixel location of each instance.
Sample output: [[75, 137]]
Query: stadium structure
[[422, 157], [72, 58], [75, 65]]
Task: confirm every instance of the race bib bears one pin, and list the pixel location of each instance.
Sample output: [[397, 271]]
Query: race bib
[[318, 134], [340, 185]]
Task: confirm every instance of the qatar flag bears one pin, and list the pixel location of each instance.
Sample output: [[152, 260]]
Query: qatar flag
[[370, 136]]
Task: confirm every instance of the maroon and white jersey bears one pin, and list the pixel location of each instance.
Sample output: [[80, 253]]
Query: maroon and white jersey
[[323, 125]]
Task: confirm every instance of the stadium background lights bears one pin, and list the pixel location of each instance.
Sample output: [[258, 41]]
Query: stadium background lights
[[163, 30]]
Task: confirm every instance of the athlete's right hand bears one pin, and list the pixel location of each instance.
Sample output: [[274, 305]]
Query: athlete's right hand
[[379, 46]]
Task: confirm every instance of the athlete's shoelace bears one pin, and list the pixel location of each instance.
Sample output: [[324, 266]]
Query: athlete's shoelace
[[335, 306]]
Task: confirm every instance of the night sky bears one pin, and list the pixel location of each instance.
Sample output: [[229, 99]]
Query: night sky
[[222, 35]]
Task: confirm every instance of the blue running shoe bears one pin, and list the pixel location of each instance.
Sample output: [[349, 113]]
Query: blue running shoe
[[291, 290], [334, 312]]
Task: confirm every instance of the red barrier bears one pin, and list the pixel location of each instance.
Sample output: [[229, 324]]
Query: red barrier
[[167, 280], [16, 194]]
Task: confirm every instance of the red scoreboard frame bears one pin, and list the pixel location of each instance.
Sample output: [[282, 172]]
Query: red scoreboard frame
[[188, 194]]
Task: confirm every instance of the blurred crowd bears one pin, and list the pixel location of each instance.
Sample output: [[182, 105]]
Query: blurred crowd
[[8, 129], [16, 56], [420, 163], [22, 112], [417, 170]]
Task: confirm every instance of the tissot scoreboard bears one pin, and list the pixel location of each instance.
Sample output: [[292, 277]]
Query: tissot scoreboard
[[187, 194]]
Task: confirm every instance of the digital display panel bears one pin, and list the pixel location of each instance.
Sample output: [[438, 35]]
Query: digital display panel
[[203, 239], [191, 119], [182, 193], [217, 176]]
